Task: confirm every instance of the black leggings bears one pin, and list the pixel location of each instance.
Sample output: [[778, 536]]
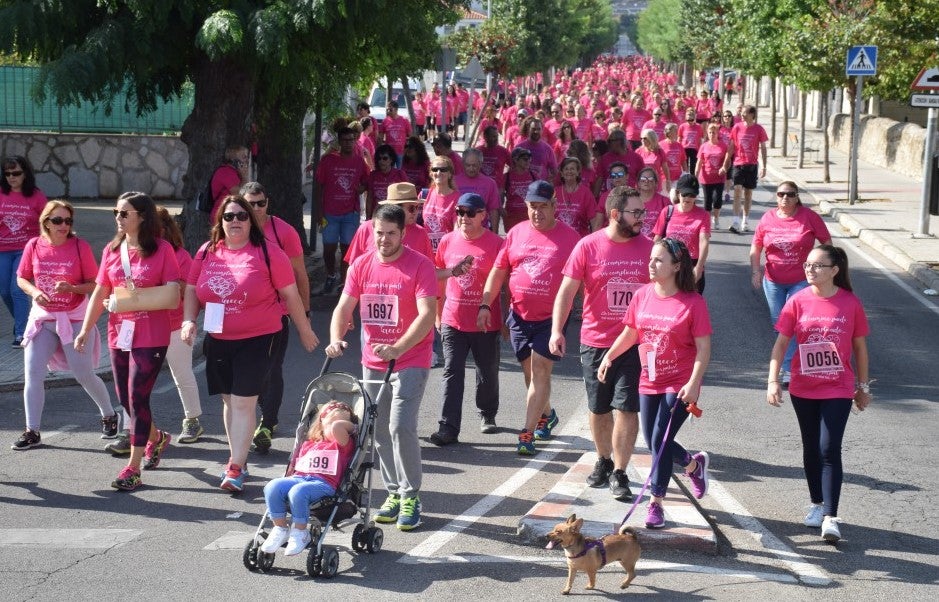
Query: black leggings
[[822, 423], [713, 196]]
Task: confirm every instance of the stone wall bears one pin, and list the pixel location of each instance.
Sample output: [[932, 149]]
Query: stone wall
[[101, 166], [884, 142]]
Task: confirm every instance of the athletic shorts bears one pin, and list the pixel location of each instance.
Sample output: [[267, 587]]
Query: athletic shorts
[[340, 228], [621, 389], [239, 366], [746, 175], [529, 336]]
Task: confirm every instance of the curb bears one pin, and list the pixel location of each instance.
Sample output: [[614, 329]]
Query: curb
[[687, 528]]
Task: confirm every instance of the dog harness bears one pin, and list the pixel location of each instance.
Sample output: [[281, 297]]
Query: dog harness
[[596, 543]]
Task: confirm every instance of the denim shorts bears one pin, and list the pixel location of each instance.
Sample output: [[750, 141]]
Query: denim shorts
[[529, 336], [340, 228]]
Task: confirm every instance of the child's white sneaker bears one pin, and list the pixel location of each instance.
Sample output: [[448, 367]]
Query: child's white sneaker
[[297, 542], [276, 539]]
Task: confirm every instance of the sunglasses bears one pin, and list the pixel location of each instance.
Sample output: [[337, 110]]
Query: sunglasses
[[467, 212], [647, 179], [241, 216], [58, 221], [122, 213], [438, 169], [411, 207], [262, 203], [786, 193], [617, 175], [12, 174]]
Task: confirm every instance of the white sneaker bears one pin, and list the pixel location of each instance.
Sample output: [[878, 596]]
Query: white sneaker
[[815, 516], [735, 226], [830, 531], [717, 223], [276, 539], [297, 542], [743, 225]]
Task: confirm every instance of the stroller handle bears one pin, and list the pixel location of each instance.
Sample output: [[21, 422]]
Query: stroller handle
[[329, 360]]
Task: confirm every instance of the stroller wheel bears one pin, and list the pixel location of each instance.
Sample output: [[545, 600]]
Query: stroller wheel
[[359, 538], [250, 556], [374, 537], [329, 564], [313, 563]]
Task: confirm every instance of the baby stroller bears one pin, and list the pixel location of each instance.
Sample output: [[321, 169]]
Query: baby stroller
[[352, 500]]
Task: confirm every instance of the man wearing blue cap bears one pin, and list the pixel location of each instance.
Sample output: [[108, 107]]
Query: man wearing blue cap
[[464, 259], [531, 258]]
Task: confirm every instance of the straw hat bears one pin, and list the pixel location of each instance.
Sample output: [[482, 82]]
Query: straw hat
[[400, 193]]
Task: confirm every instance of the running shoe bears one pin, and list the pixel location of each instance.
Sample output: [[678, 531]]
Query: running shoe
[[655, 516], [619, 486], [526, 443], [28, 439], [388, 513], [120, 446], [155, 449], [601, 472], [276, 539], [18, 343], [410, 515], [191, 432], [546, 424], [262, 439], [110, 426], [234, 478], [815, 516], [127, 480], [830, 531], [297, 541], [487, 425], [699, 478], [735, 226], [443, 437]]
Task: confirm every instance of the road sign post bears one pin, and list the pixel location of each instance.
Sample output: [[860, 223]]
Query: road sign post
[[927, 80], [862, 60]]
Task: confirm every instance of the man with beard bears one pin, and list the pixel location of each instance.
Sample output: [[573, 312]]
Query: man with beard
[[611, 264], [397, 288], [543, 161]]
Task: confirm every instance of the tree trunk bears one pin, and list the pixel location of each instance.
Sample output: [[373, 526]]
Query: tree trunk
[[785, 116], [826, 142], [220, 117], [802, 102], [772, 113]]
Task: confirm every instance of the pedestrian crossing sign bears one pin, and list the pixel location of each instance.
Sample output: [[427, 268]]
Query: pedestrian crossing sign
[[862, 60]]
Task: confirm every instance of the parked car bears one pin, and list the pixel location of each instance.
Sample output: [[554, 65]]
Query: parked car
[[378, 98]]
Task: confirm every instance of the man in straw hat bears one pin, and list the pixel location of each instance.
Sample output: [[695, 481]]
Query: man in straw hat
[[403, 194]]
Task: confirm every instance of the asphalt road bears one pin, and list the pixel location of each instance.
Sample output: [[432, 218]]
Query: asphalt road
[[65, 534]]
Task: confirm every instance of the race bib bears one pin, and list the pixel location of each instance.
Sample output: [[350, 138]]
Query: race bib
[[214, 317], [380, 310], [319, 461], [647, 359], [619, 294], [435, 238], [125, 335], [819, 358]]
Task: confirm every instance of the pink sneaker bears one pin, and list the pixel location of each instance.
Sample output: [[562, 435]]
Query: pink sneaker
[[699, 478], [154, 449], [655, 518]]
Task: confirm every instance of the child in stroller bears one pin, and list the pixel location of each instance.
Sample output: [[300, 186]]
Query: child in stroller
[[317, 472]]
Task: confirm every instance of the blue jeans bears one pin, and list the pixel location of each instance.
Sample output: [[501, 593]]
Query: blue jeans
[[655, 411], [822, 423], [13, 296], [776, 297], [299, 491]]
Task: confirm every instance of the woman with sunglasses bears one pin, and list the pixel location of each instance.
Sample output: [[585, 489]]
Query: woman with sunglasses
[[439, 210], [828, 323], [241, 282], [688, 223], [786, 235], [21, 204], [58, 271], [565, 136], [653, 156], [416, 163], [670, 322], [137, 340], [380, 178]]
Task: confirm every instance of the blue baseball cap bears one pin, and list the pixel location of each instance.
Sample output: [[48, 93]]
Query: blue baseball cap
[[539, 191], [471, 200]]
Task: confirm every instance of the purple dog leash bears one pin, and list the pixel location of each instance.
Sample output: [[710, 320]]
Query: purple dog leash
[[655, 459]]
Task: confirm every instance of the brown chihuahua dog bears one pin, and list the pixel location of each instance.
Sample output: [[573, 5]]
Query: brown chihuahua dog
[[590, 555]]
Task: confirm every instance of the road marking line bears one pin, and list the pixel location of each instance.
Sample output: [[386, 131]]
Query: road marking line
[[453, 528], [172, 384], [807, 572], [60, 539]]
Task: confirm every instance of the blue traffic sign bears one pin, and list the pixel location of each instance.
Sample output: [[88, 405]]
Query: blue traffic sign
[[862, 60]]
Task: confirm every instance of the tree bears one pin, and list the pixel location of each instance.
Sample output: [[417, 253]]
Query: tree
[[658, 32]]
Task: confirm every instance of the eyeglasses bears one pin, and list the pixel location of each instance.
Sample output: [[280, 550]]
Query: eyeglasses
[[786, 193], [262, 203], [439, 169], [656, 114], [674, 248], [811, 267], [241, 216], [13, 174], [122, 213], [646, 179], [58, 221], [617, 175], [411, 207], [467, 212], [636, 213]]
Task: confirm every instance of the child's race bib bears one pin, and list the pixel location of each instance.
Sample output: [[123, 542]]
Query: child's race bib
[[319, 461]]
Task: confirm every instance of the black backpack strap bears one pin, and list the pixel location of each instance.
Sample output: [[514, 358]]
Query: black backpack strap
[[668, 217], [267, 262]]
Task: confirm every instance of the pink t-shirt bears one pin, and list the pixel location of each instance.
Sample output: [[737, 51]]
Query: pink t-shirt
[[611, 272], [542, 158], [656, 126], [151, 328], [464, 293], [674, 157], [396, 131], [241, 281], [415, 237], [457, 162], [690, 135], [224, 179], [516, 189], [184, 261], [824, 330], [44, 264], [747, 141], [379, 181], [630, 159], [494, 161], [340, 178], [387, 294], [439, 215], [575, 209], [19, 218], [366, 144], [653, 207], [535, 259], [282, 234], [655, 159], [788, 242], [417, 174], [686, 227], [310, 460], [633, 120], [482, 185], [711, 159], [667, 327]]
